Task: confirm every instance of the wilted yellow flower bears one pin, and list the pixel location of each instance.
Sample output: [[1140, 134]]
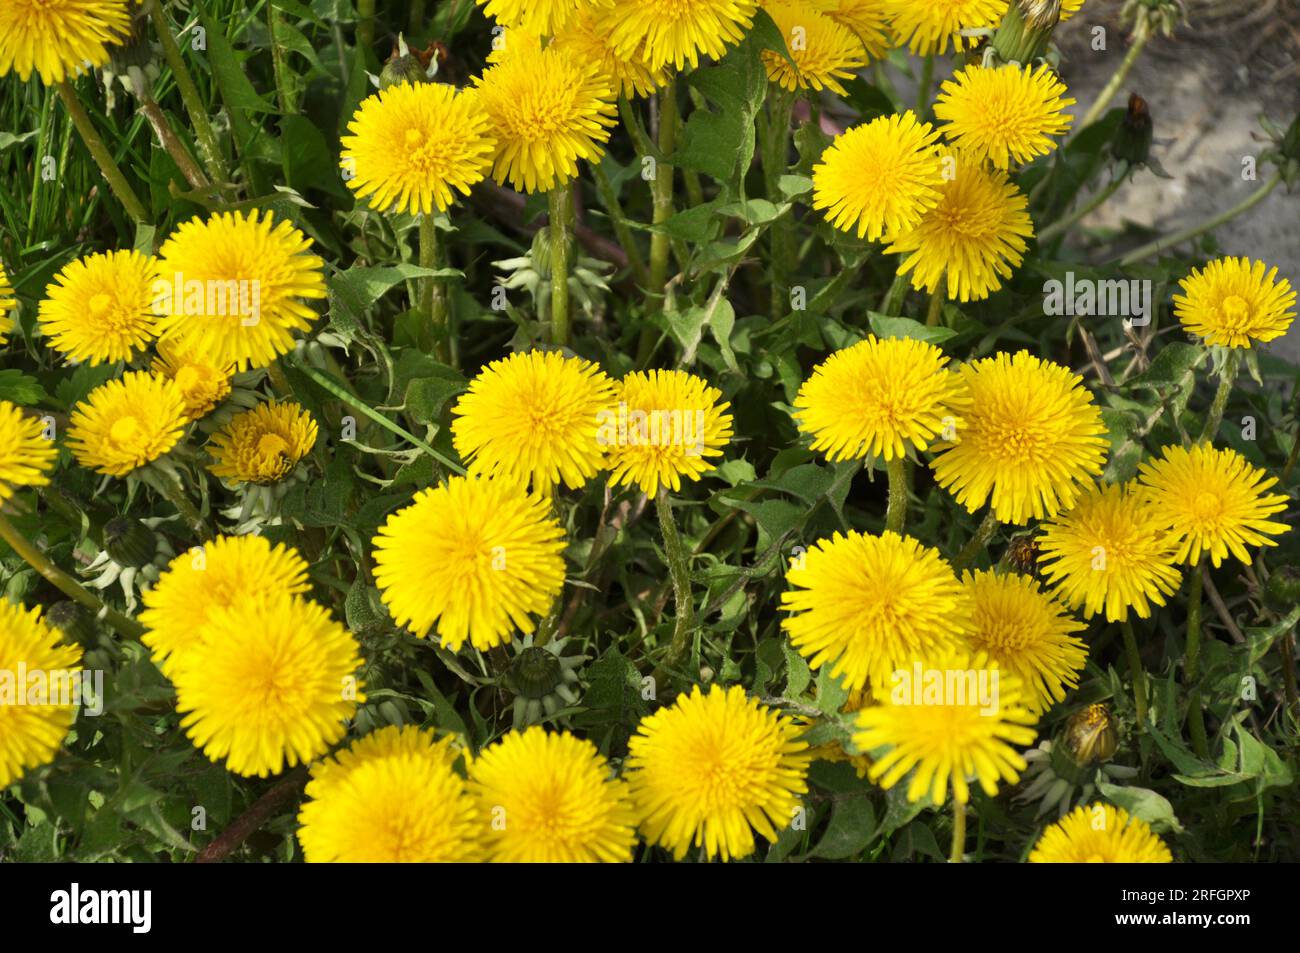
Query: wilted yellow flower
[[1027, 633], [264, 444], [675, 32], [880, 177], [548, 109], [869, 605], [880, 398], [663, 428], [929, 27], [1006, 114], [216, 575], [555, 799], [58, 38], [1111, 552], [712, 769], [952, 718], [824, 51], [1234, 302], [972, 239], [237, 287], [392, 797], [413, 146], [126, 423], [203, 385], [1099, 834], [1031, 436], [476, 558], [534, 417], [268, 683], [26, 454], [1214, 500], [32, 728], [99, 309]]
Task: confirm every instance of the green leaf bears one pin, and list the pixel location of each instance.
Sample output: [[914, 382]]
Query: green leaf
[[1144, 804], [887, 326], [19, 388]]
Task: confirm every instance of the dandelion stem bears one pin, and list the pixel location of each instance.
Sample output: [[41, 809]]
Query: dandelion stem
[[560, 203], [175, 495], [977, 543], [209, 148], [433, 296], [923, 89], [618, 218], [1136, 672], [1191, 664], [661, 190], [366, 24], [935, 310], [894, 297], [896, 511], [1141, 37], [124, 625], [678, 569], [1227, 377], [283, 93], [780, 108], [99, 151], [1209, 224], [958, 832], [1096, 201]]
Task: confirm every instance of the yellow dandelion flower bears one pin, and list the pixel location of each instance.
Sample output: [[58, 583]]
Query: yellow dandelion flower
[[824, 51], [58, 39], [880, 177], [676, 32], [264, 444], [1100, 834], [587, 39], [268, 683], [237, 287], [27, 455], [1032, 434], [548, 109], [217, 575], [1233, 302], [929, 26], [533, 417], [392, 797], [974, 237], [952, 718], [880, 398], [712, 769], [203, 385], [664, 427], [540, 16], [32, 728], [1006, 114], [1112, 551], [7, 304], [1069, 8], [555, 800], [865, 19], [126, 423], [1027, 633], [870, 604], [413, 146], [1215, 501], [100, 309], [475, 557]]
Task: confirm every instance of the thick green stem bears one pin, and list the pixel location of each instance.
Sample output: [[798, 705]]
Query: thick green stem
[[561, 207], [175, 148], [958, 851], [99, 151], [923, 88], [366, 24], [1227, 377], [679, 570], [662, 192], [1136, 672], [978, 543], [618, 218], [278, 65], [895, 296], [1191, 664], [433, 296], [934, 312], [1095, 202], [780, 108], [125, 626], [1116, 81], [896, 512], [1192, 231], [209, 148]]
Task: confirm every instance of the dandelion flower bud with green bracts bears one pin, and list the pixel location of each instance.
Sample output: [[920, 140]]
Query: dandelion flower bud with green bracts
[[392, 797], [713, 769], [1099, 834], [262, 445]]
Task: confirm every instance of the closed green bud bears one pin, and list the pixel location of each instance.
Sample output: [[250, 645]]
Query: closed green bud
[[74, 621], [129, 542], [1026, 30], [403, 68], [1132, 141]]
